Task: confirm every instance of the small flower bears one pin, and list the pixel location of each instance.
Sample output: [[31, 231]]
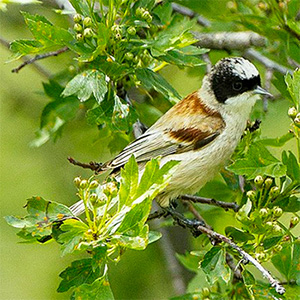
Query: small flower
[[77, 18], [258, 180], [78, 27], [292, 112], [87, 22]]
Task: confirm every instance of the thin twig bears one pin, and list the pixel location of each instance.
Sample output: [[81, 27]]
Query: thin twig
[[206, 59], [226, 205], [96, 167], [246, 257], [191, 14], [266, 62], [40, 69], [193, 210], [236, 269], [38, 57], [156, 215]]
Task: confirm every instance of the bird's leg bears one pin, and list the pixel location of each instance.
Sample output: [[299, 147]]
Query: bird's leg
[[182, 221]]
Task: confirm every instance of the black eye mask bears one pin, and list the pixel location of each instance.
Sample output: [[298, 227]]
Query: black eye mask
[[226, 83]]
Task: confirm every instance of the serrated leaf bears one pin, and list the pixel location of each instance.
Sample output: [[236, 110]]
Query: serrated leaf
[[181, 57], [128, 183], [293, 85], [238, 235], [25, 47], [81, 7], [44, 31], [41, 215], [293, 167], [80, 272], [85, 84], [72, 233], [214, 265], [258, 161], [283, 261], [98, 290], [152, 80]]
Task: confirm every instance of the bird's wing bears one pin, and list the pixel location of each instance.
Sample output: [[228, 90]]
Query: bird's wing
[[188, 126]]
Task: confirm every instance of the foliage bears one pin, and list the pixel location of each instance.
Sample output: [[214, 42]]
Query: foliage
[[117, 222], [119, 46]]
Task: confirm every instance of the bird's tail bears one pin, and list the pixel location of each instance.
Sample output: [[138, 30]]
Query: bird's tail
[[77, 208]]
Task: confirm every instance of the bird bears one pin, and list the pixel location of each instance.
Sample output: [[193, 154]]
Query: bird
[[201, 131]]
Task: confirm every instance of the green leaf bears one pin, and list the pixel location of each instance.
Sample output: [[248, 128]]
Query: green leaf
[[152, 80], [277, 142], [283, 261], [81, 7], [85, 84], [238, 235], [80, 272], [73, 233], [153, 236], [293, 85], [289, 204], [164, 12], [181, 57], [98, 290], [214, 265], [128, 183], [25, 47], [293, 167], [258, 161], [41, 215], [271, 242], [189, 261], [44, 32]]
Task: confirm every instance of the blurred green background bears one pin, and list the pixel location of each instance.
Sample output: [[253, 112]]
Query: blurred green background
[[30, 271]]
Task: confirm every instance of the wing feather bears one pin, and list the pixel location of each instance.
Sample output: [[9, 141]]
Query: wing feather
[[171, 135]]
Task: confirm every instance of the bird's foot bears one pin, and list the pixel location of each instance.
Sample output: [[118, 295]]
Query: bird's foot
[[182, 221]]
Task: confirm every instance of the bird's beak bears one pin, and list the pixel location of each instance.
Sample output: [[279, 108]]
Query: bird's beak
[[259, 90]]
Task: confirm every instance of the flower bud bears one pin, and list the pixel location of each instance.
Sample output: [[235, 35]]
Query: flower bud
[[131, 30], [258, 180], [251, 195], [277, 211], [87, 22], [77, 181], [94, 184], [139, 11], [110, 189], [231, 5], [77, 18], [269, 225], [147, 16], [205, 292], [129, 56], [93, 198], [78, 27], [274, 192], [277, 248], [79, 36], [268, 182], [297, 121], [84, 184], [88, 33], [294, 221], [264, 212], [292, 112], [262, 6], [276, 228], [260, 256]]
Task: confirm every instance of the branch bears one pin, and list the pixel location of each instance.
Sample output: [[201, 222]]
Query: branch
[[191, 14], [268, 63], [96, 167], [246, 257], [229, 40], [38, 57], [226, 205]]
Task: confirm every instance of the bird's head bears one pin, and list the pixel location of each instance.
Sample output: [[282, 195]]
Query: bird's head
[[234, 81]]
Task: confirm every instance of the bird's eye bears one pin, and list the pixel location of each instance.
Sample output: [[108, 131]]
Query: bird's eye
[[237, 86]]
